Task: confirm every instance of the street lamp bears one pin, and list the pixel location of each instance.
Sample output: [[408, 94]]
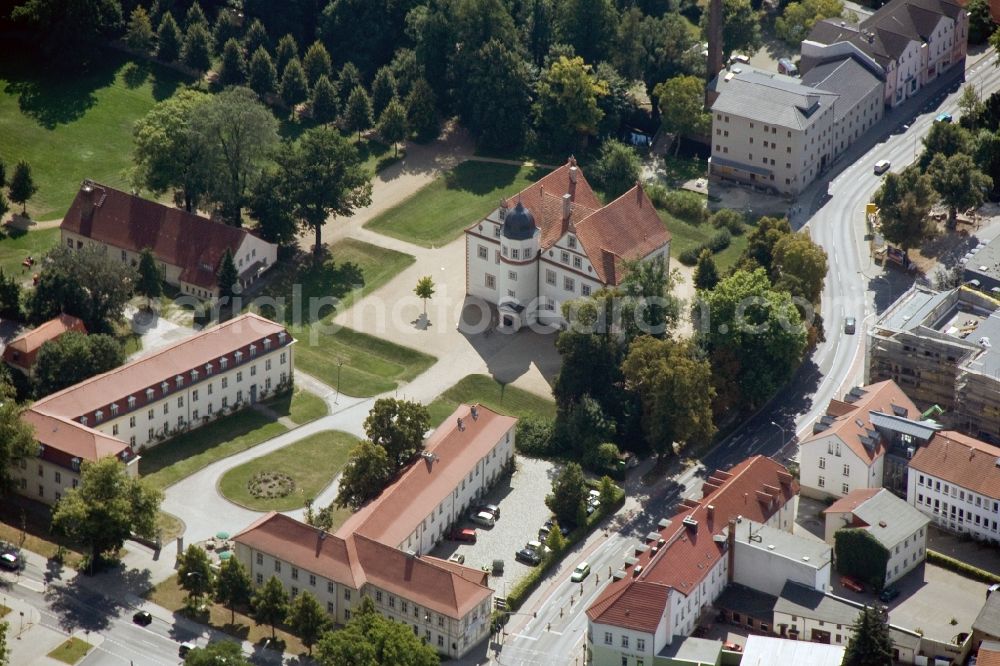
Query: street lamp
[[782, 433]]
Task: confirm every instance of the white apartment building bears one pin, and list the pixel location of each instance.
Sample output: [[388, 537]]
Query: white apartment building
[[668, 582], [188, 248], [901, 529], [156, 396], [766, 557], [955, 481], [553, 242]]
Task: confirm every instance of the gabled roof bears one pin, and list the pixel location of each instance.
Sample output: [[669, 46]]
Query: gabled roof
[[450, 453], [883, 515], [176, 237], [756, 489], [961, 460], [989, 654], [73, 439], [769, 97], [357, 560], [851, 421], [851, 500], [22, 350]]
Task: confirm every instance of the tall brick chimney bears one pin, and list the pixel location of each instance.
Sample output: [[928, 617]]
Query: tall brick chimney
[[715, 21]]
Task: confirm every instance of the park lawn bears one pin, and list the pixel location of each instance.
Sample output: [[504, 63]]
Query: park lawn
[[437, 213], [312, 463], [353, 270], [168, 526], [71, 651], [370, 365], [74, 126], [489, 392], [170, 595], [301, 407], [16, 245], [685, 235]]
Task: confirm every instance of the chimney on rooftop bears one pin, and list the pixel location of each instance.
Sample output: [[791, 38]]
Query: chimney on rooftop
[[461, 424], [715, 22], [567, 200], [574, 172], [731, 555], [475, 412]]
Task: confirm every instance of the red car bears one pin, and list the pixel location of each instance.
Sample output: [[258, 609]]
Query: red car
[[466, 534], [852, 584]]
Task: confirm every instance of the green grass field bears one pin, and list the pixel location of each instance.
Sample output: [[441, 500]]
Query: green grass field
[[490, 393], [440, 211], [312, 463], [685, 235], [301, 407], [16, 246], [71, 127], [71, 651]]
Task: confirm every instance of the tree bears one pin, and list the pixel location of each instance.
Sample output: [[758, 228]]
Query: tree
[[554, 542], [618, 168], [242, 134], [233, 70], [317, 63], [959, 183], [227, 26], [495, 72], [73, 357], [108, 507], [392, 125], [323, 176], [294, 88], [233, 586], [364, 476], [4, 651], [255, 37], [139, 34], [308, 619], [569, 489], [534, 436], [17, 437], [424, 290], [566, 105], [759, 252], [195, 575], [4, 206], [263, 76], [22, 185], [217, 653], [589, 26], [67, 33], [370, 639], [870, 643], [799, 17], [82, 283], [706, 275], [421, 111], [581, 429], [904, 201], [648, 305], [197, 50], [270, 604], [349, 79], [358, 112], [981, 25], [682, 107], [970, 105], [383, 90], [168, 39], [746, 321], [324, 101], [286, 51], [740, 27], [945, 139], [797, 256], [673, 381], [10, 296], [269, 206], [608, 492], [227, 276], [195, 16], [398, 426]]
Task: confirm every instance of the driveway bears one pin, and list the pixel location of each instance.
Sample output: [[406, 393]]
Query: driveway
[[156, 331]]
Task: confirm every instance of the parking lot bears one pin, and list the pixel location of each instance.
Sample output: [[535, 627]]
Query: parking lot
[[521, 499]]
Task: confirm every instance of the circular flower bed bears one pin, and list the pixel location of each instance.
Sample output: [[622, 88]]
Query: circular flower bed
[[270, 485]]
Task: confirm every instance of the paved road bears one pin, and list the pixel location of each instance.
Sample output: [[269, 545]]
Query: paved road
[[833, 211]]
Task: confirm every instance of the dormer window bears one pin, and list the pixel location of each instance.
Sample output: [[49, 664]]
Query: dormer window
[[75, 462], [194, 375], [238, 355], [267, 343], [150, 393], [179, 381], [83, 420], [131, 401], [114, 409], [164, 387], [223, 362], [572, 242], [99, 415], [281, 337], [253, 350], [208, 368]]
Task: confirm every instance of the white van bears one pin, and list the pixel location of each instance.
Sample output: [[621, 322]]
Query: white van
[[881, 167]]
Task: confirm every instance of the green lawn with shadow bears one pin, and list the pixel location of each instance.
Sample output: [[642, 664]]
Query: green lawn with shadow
[[489, 392]]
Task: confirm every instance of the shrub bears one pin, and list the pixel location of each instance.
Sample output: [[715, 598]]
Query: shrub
[[690, 257], [726, 218], [719, 241], [687, 206], [961, 568], [657, 193], [534, 436]]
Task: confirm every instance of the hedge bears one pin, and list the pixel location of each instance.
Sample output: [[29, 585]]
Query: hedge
[[961, 568]]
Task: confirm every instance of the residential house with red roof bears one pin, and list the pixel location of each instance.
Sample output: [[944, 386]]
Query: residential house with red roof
[[863, 441], [553, 242], [380, 551], [669, 581], [21, 352], [188, 248], [150, 399]]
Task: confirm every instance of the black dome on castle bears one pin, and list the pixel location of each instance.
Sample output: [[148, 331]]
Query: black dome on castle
[[519, 224]]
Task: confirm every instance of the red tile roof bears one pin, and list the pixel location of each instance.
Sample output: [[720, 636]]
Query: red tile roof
[[443, 587], [756, 489], [73, 439], [961, 460], [394, 515], [852, 500], [851, 420], [22, 350], [989, 654], [176, 237]]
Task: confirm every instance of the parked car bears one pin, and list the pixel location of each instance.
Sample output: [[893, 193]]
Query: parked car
[[547, 527], [881, 167], [850, 324], [528, 556], [484, 519], [851, 584], [582, 571], [943, 118], [787, 67], [186, 647], [888, 594], [466, 534], [458, 558], [537, 546], [10, 561], [491, 509], [732, 647], [142, 618]]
